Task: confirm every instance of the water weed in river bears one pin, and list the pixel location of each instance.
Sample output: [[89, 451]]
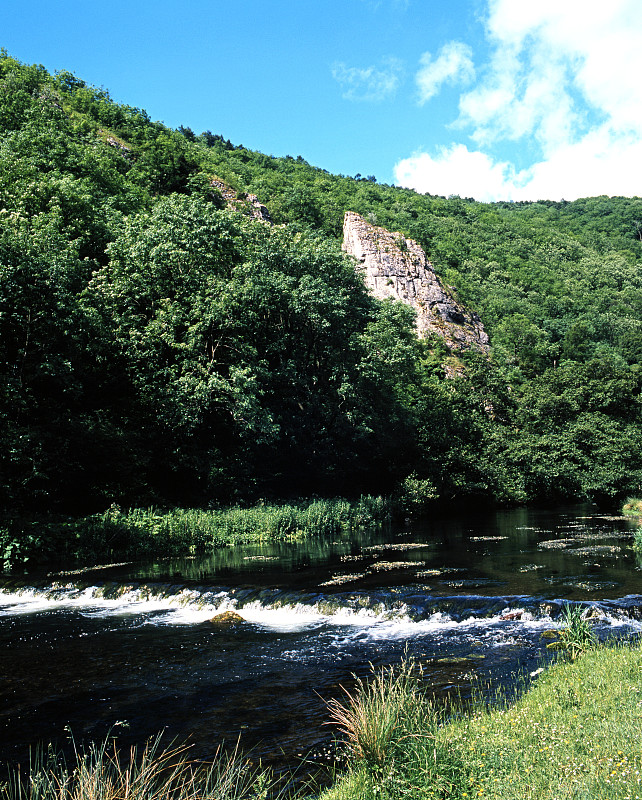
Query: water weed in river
[[150, 532], [576, 634], [573, 734], [633, 508]]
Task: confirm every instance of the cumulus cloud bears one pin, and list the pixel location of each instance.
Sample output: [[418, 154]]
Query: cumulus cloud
[[454, 64], [455, 170], [563, 77], [368, 84], [590, 167]]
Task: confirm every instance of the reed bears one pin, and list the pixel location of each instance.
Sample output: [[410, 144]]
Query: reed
[[102, 773], [633, 507], [576, 635], [380, 715], [149, 532]]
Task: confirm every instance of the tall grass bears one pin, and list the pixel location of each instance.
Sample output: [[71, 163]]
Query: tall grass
[[573, 734], [379, 715], [136, 533], [633, 507], [102, 773], [576, 635]]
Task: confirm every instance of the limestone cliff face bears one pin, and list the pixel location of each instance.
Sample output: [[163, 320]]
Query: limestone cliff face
[[397, 268]]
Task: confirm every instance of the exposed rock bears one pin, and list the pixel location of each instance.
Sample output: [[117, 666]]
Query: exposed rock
[[511, 615], [117, 143], [397, 268], [227, 619], [113, 142], [551, 609], [245, 203], [227, 193]]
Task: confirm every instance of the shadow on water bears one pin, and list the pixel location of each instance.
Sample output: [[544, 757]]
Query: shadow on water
[[133, 650]]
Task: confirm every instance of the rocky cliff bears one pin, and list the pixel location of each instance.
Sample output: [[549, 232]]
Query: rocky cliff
[[245, 203], [397, 268]]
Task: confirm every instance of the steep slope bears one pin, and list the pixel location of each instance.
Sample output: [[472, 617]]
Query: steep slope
[[397, 268]]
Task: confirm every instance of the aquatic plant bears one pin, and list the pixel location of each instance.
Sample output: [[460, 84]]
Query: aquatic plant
[[633, 507], [576, 635], [144, 532]]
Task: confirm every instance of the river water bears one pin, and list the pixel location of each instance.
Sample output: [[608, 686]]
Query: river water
[[131, 649]]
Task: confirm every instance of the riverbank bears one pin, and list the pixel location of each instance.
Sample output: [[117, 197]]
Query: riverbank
[[633, 508], [573, 734], [143, 533]]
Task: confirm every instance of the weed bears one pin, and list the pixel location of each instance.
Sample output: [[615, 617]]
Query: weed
[[102, 773], [378, 715], [573, 734], [576, 635], [633, 507], [147, 532]]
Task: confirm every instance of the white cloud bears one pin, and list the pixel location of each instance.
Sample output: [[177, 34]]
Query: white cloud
[[454, 64], [455, 170], [600, 163], [563, 76], [369, 84], [555, 66]]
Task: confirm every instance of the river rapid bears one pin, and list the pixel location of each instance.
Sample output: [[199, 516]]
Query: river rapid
[[130, 650]]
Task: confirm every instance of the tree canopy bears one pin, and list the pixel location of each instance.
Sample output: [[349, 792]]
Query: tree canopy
[[160, 345]]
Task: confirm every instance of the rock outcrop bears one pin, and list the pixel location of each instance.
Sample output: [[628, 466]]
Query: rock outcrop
[[397, 268], [227, 619], [245, 203]]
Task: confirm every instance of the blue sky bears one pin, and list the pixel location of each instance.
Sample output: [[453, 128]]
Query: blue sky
[[492, 99]]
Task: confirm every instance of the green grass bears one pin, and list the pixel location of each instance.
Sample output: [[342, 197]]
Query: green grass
[[633, 508], [378, 715], [102, 772], [576, 635], [138, 533], [574, 734]]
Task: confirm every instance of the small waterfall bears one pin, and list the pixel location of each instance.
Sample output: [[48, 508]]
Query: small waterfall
[[172, 603]]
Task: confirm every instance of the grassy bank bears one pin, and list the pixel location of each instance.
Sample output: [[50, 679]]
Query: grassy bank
[[140, 533], [633, 508], [574, 734]]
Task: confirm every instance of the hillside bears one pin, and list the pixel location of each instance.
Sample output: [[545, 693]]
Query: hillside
[[159, 344]]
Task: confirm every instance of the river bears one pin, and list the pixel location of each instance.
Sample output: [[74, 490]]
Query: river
[[130, 649]]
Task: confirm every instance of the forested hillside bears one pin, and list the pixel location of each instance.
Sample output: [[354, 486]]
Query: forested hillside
[[158, 346]]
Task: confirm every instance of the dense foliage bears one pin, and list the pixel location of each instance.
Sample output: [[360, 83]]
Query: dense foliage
[[158, 346]]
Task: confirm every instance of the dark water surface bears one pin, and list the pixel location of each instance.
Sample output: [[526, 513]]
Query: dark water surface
[[131, 648]]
